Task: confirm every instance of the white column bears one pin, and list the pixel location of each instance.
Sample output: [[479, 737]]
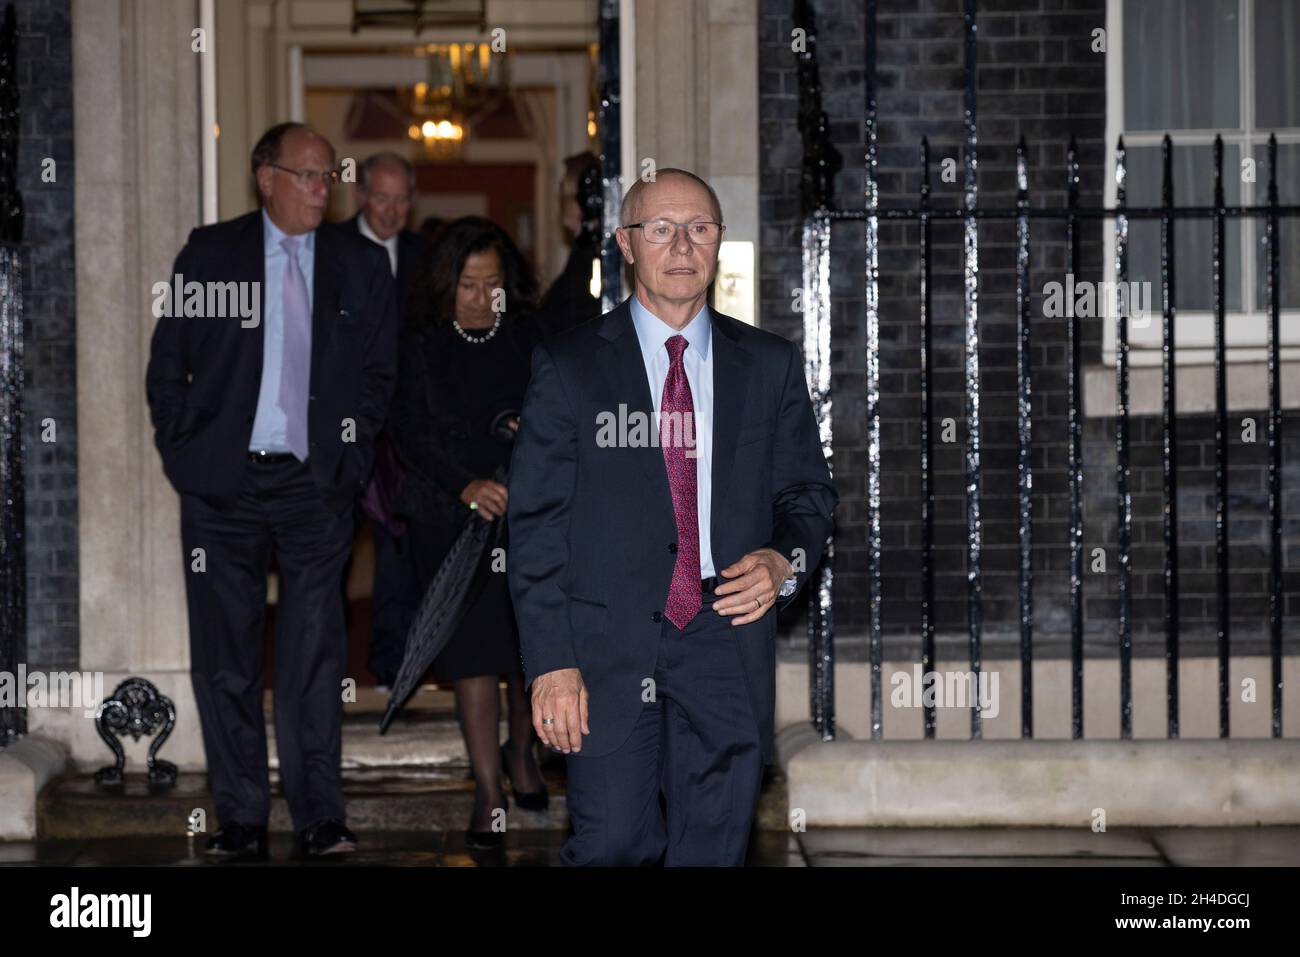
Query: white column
[[297, 87], [208, 110], [138, 194], [696, 103]]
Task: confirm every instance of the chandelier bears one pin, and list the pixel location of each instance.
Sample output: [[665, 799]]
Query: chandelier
[[465, 80]]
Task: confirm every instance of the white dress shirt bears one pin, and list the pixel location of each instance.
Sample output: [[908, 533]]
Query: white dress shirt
[[390, 243], [697, 360]]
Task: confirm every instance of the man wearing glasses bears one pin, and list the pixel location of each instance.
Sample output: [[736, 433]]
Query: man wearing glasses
[[644, 573], [267, 433]]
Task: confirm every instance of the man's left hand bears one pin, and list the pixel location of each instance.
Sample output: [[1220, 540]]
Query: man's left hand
[[755, 582]]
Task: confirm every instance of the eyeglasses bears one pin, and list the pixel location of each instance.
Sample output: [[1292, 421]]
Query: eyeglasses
[[309, 177], [660, 231]]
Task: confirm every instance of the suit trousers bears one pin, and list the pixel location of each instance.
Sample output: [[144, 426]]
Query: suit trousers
[[280, 508], [695, 742]]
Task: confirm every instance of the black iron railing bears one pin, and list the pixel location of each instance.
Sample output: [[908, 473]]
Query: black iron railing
[[13, 545], [609, 83], [819, 166]]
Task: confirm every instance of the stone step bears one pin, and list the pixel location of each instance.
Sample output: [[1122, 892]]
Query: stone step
[[1237, 782], [425, 733], [419, 739], [416, 777], [378, 800]]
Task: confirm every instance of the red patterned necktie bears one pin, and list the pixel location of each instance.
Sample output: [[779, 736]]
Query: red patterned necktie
[[684, 594]]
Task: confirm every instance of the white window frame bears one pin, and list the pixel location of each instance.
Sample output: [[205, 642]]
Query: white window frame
[[1246, 330]]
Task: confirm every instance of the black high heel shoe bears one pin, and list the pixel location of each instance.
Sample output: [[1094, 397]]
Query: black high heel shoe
[[486, 840], [527, 800]]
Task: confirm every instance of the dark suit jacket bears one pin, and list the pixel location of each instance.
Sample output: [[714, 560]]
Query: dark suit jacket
[[569, 301], [410, 256], [592, 528], [204, 373]]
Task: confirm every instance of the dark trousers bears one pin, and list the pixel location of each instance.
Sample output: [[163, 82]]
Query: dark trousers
[[279, 508], [697, 742], [396, 600]]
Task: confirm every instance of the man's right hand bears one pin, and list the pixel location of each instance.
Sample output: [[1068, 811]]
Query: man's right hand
[[562, 696]]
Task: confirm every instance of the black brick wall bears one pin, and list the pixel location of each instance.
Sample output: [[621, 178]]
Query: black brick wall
[[45, 92], [1037, 78]]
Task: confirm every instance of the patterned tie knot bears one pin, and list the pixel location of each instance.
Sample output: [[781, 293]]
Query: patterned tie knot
[[676, 346], [289, 244]]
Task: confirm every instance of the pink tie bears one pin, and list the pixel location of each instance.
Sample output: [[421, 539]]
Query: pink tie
[[684, 593], [295, 368]]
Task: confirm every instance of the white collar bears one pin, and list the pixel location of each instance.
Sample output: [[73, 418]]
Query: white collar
[[273, 236], [370, 233], [654, 332]]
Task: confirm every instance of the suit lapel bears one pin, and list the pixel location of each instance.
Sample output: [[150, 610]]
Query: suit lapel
[[624, 373], [250, 266], [408, 266], [324, 299], [730, 390]]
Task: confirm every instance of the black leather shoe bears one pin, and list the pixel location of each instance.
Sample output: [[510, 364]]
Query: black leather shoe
[[484, 840], [527, 800], [326, 837], [237, 842]]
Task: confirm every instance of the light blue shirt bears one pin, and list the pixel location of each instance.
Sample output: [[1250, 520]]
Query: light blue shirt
[[697, 360], [270, 427]]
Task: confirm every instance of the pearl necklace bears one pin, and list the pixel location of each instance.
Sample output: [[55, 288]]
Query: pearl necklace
[[477, 340]]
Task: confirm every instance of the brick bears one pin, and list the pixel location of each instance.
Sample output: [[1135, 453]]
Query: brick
[[1035, 80], [45, 98]]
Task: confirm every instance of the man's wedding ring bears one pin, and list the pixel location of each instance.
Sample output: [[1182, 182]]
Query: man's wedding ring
[[757, 604], [547, 722]]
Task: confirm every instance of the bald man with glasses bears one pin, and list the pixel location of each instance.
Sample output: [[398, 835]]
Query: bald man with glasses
[[645, 568]]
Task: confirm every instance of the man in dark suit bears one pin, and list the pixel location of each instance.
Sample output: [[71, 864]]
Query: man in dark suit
[[644, 572], [266, 429], [569, 302], [386, 190]]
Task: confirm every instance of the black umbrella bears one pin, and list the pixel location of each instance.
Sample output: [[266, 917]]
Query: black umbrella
[[454, 589]]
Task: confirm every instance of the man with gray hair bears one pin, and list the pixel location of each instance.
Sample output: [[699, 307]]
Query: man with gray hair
[[268, 433], [385, 194]]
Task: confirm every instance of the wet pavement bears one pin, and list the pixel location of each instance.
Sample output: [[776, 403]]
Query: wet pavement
[[539, 848], [410, 796], [819, 847]]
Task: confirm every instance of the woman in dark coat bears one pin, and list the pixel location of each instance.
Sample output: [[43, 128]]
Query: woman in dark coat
[[463, 371]]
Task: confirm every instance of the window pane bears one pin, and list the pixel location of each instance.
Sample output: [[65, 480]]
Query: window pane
[[1181, 67], [1277, 75], [1193, 238], [1288, 250]]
